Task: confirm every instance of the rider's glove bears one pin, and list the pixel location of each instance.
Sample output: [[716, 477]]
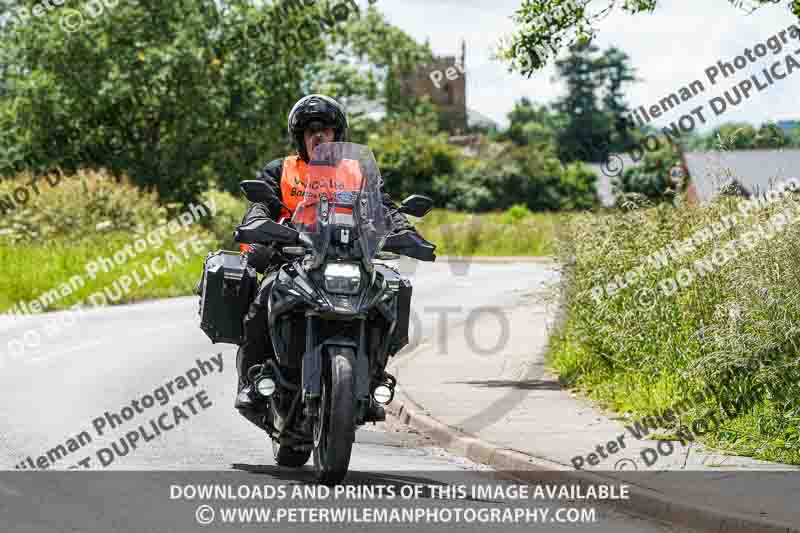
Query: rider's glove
[[259, 256]]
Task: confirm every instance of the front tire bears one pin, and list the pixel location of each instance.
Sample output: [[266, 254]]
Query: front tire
[[335, 427], [285, 456]]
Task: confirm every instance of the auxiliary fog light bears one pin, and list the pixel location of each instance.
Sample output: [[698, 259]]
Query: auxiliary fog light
[[265, 387], [383, 394]]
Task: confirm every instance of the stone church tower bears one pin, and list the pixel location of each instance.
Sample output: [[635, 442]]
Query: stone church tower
[[445, 82]]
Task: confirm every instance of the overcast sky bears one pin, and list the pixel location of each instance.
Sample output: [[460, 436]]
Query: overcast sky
[[669, 49]]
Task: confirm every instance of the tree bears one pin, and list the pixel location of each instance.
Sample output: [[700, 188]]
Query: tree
[[547, 26], [771, 136], [530, 124], [191, 91], [652, 178], [618, 72], [586, 133], [386, 52], [743, 136], [170, 101], [520, 175], [412, 156], [794, 137]]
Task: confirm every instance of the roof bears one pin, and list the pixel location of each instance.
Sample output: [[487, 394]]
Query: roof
[[757, 171]]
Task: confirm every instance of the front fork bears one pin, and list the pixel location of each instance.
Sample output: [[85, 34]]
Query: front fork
[[312, 371], [317, 355]]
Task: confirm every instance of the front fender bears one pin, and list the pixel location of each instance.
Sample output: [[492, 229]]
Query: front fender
[[313, 361]]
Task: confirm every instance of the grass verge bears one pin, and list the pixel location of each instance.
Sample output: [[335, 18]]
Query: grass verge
[[705, 330], [516, 231]]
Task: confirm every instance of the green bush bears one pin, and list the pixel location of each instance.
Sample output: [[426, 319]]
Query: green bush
[[73, 219], [652, 177], [578, 188], [519, 175], [230, 210], [515, 213], [72, 206], [412, 159]]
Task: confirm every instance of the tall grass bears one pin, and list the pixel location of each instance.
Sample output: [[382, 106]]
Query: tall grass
[[642, 351], [61, 228], [29, 271], [515, 232]]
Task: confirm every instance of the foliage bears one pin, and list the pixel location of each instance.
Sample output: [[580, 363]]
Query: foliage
[[578, 187], [518, 175], [545, 27], [742, 136], [167, 103], [515, 213], [515, 232], [230, 210], [530, 124], [615, 64], [586, 134], [652, 177], [589, 131], [643, 351], [58, 260], [411, 156], [375, 50], [69, 206], [202, 95]]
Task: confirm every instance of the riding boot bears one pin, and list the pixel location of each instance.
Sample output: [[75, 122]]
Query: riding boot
[[256, 348], [247, 356]]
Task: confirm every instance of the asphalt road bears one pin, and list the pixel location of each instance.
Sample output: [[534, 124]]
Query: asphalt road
[[67, 402]]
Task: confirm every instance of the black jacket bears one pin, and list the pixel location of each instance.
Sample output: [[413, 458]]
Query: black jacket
[[271, 174]]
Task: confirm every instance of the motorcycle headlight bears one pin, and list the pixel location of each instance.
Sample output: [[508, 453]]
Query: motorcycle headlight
[[342, 278]]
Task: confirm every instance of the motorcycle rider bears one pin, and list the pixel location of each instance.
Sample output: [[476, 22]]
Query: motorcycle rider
[[314, 120]]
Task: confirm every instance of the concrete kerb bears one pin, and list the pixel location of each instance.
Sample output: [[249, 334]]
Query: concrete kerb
[[523, 466], [643, 501]]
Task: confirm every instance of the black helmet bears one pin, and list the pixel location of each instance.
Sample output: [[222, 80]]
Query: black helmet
[[316, 107]]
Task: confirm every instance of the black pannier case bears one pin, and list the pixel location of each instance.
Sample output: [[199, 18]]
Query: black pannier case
[[228, 287]]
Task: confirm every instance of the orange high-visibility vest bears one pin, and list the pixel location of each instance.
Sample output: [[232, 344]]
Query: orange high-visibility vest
[[346, 176]]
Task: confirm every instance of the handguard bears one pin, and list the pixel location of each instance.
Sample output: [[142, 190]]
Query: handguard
[[410, 244]]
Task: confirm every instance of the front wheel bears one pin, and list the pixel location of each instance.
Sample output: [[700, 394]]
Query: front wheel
[[334, 430], [285, 456]]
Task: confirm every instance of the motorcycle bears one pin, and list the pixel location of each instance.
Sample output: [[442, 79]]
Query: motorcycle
[[337, 310]]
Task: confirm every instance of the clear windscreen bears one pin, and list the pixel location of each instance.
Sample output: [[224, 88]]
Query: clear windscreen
[[341, 212]]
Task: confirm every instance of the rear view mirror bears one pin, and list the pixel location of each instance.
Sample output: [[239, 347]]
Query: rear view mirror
[[258, 191], [416, 205], [264, 230]]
